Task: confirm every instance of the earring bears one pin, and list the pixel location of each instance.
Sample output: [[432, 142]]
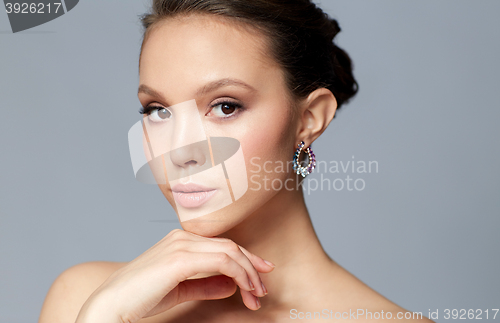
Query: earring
[[297, 168]]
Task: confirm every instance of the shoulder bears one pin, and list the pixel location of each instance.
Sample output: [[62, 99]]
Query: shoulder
[[380, 309], [72, 288], [355, 300], [367, 305], [404, 315]]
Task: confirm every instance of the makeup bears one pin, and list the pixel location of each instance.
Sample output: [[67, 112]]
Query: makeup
[[192, 195]]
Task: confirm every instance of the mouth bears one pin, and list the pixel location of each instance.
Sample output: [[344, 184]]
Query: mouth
[[192, 195]]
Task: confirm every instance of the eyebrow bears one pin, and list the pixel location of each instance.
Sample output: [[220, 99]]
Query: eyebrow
[[210, 87]]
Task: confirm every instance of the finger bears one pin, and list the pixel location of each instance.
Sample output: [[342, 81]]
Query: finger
[[203, 275], [216, 287], [263, 266], [260, 264], [187, 264], [234, 251], [250, 301]]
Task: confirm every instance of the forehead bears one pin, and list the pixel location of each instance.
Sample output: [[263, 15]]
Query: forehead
[[193, 50]]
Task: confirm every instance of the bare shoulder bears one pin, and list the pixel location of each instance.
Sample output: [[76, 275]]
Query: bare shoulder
[[360, 302], [403, 315], [384, 310], [380, 309], [72, 288]]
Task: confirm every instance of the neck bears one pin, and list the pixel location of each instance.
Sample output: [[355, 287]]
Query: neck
[[282, 232]]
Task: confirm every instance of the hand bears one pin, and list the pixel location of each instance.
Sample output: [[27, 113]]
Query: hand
[[162, 277]]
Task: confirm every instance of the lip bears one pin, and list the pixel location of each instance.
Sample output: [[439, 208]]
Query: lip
[[192, 195]]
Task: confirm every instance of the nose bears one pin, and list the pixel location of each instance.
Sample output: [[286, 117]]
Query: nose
[[189, 156], [187, 140]]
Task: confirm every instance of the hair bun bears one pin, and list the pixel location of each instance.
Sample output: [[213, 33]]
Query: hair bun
[[333, 28]]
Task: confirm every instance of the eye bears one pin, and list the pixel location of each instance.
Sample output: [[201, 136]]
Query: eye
[[156, 113], [225, 109], [159, 114]]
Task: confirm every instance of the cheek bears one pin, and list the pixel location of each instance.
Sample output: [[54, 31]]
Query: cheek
[[268, 150]]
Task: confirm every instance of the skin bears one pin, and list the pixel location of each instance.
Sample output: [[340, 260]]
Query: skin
[[181, 56]]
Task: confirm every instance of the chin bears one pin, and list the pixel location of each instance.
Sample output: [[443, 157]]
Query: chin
[[215, 223], [205, 229], [225, 219]]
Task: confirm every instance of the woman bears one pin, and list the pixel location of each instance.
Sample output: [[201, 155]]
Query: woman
[[267, 74]]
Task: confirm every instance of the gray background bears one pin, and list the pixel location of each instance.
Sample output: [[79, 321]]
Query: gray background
[[424, 232]]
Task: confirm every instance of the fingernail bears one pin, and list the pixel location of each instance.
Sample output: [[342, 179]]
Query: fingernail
[[270, 264], [264, 288], [251, 285], [257, 301]]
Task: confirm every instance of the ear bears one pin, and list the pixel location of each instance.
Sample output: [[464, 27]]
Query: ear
[[316, 114]]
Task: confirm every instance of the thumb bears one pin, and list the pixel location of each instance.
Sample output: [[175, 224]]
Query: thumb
[[214, 287]]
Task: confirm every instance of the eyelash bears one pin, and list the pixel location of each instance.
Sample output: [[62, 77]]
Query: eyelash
[[239, 108], [150, 108]]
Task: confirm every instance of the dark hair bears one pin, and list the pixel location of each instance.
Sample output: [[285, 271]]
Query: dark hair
[[300, 34]]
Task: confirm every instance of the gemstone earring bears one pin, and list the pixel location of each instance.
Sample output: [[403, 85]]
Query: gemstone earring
[[311, 158]]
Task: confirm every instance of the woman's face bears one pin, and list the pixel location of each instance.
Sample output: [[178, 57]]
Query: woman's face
[[239, 92]]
